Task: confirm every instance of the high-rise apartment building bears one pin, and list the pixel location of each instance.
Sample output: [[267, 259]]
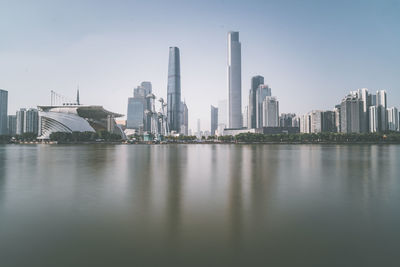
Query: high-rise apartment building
[[351, 114], [12, 125], [305, 123], [174, 89], [214, 119], [373, 119], [329, 121], [338, 121], [3, 112], [27, 121], [365, 97], [316, 117], [271, 112], [393, 119], [381, 103], [234, 81]]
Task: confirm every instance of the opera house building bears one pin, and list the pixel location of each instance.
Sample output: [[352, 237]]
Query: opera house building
[[76, 118]]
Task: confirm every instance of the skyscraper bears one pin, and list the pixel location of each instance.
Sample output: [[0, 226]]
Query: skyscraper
[[351, 112], [234, 81], [137, 105], [271, 112], [184, 119], [12, 125], [263, 91], [365, 97], [214, 119], [27, 121], [20, 121], [3, 112], [393, 119], [174, 89], [381, 103], [256, 81], [373, 119]]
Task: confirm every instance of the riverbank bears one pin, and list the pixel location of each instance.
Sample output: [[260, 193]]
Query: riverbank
[[205, 143]]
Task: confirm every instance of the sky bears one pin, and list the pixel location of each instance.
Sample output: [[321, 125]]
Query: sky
[[311, 53]]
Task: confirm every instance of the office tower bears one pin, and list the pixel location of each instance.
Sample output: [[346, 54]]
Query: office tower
[[135, 114], [286, 119], [381, 103], [262, 92], [3, 112], [147, 87], [337, 112], [234, 81], [256, 81], [137, 117], [214, 120], [12, 125], [373, 119], [271, 112], [184, 119], [393, 119], [174, 89], [351, 114]]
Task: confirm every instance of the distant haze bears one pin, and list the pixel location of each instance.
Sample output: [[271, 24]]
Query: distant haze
[[311, 53]]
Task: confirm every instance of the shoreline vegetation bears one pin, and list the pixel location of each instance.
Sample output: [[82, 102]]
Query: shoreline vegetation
[[244, 138]]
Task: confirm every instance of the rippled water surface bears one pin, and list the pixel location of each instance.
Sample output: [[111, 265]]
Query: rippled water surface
[[199, 205]]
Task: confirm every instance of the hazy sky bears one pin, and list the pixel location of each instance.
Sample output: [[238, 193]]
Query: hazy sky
[[311, 53]]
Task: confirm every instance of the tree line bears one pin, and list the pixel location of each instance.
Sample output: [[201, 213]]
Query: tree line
[[389, 137], [63, 137]]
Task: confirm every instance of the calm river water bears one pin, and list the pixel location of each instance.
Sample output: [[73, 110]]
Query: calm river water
[[199, 205]]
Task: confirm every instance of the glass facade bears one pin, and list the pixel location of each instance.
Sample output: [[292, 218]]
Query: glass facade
[[174, 90]]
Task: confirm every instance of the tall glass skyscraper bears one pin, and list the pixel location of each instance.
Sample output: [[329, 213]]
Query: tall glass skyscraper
[[234, 81], [256, 81], [3, 112], [214, 119], [174, 90]]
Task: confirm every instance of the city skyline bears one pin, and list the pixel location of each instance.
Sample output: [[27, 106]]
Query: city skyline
[[315, 62]]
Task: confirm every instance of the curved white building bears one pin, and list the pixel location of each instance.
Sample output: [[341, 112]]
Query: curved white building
[[76, 118]]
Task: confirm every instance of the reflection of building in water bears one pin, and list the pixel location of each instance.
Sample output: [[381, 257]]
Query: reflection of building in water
[[235, 198], [174, 201]]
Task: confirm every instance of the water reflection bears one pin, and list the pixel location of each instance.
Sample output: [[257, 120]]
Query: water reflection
[[222, 205]]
